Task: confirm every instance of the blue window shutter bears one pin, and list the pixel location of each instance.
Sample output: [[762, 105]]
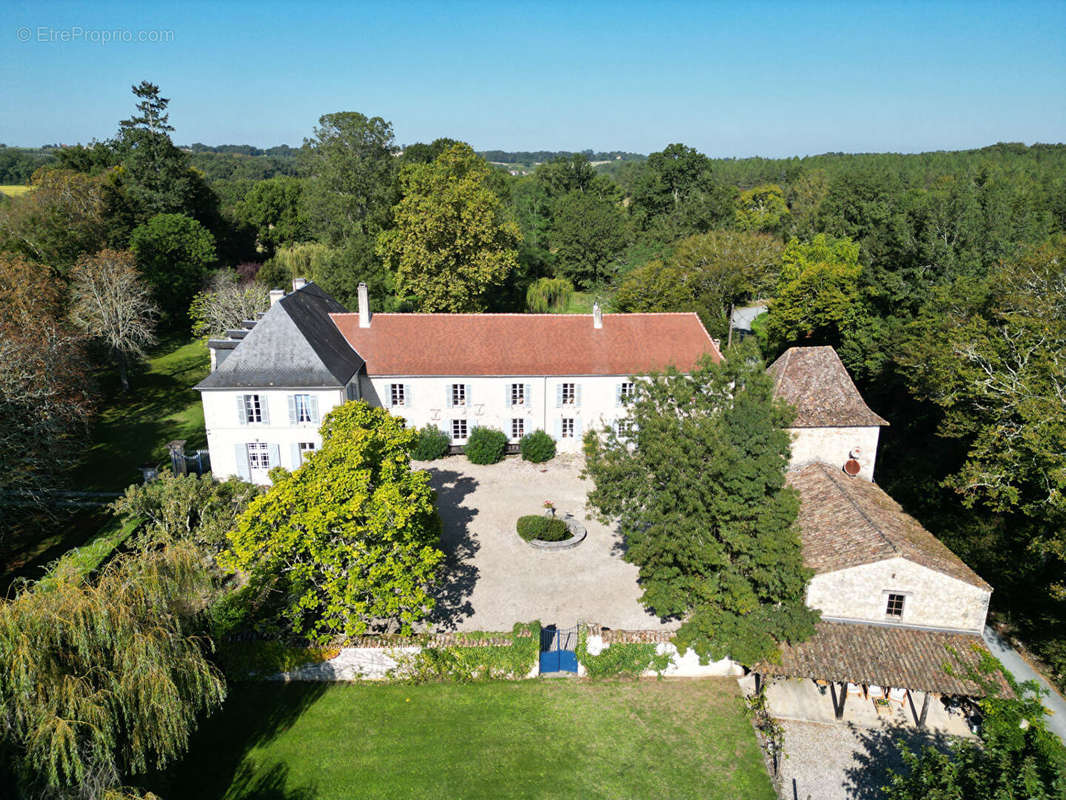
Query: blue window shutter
[[275, 456], [577, 427], [558, 429], [529, 394], [292, 409], [264, 408], [407, 394], [448, 395], [577, 394], [295, 455], [242, 415], [314, 408], [559, 395], [243, 472], [469, 394], [618, 395], [507, 394]]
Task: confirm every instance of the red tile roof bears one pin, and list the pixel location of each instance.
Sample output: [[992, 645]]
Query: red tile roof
[[889, 656], [847, 522], [527, 344], [814, 380]]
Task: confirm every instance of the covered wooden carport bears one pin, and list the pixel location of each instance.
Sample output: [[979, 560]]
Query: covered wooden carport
[[891, 657]]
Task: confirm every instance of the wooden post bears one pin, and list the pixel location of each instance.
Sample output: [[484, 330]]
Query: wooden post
[[838, 702], [919, 716], [925, 711]]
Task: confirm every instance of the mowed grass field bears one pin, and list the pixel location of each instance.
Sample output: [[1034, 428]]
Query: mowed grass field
[[133, 429], [13, 190], [526, 739]]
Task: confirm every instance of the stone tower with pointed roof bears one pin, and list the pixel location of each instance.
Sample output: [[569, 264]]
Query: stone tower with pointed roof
[[833, 424]]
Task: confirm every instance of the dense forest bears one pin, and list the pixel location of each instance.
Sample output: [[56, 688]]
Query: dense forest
[[939, 277]]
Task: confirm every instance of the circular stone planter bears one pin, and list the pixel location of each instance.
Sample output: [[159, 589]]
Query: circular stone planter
[[577, 531]]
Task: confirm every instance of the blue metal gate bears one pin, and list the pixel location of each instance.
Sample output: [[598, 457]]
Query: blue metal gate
[[558, 649]]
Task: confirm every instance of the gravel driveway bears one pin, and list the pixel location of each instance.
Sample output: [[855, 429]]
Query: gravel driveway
[[838, 761], [495, 579]]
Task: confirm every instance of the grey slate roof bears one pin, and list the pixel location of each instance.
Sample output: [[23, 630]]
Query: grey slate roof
[[814, 380], [295, 344]]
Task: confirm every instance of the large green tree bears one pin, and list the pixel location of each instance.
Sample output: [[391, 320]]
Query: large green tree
[[274, 209], [173, 253], [990, 354], [699, 493], [351, 163], [588, 233], [818, 300], [156, 176], [453, 242], [707, 273], [349, 542], [676, 194]]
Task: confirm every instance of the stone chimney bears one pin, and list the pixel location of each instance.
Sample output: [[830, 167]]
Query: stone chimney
[[597, 316], [298, 284], [275, 295], [364, 306]]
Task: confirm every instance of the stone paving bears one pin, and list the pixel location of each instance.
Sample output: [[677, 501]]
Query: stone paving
[[496, 579]]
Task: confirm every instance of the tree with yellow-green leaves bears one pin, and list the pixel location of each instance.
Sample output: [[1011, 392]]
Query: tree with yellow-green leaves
[[453, 241], [761, 208], [350, 541], [818, 299]]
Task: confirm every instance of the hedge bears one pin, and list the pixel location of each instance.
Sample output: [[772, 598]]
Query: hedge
[[431, 444], [546, 529]]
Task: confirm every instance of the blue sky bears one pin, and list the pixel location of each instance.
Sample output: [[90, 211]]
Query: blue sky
[[729, 78]]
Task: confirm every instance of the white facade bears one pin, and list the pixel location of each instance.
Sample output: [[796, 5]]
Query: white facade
[[563, 407], [238, 445], [834, 446], [929, 598]]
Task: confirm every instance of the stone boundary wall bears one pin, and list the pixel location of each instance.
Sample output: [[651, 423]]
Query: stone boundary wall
[[374, 657]]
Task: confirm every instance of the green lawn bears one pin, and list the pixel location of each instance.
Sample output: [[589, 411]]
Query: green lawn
[[529, 739], [134, 429], [14, 190]]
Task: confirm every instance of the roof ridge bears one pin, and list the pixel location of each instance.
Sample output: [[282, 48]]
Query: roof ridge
[[835, 480], [519, 314]]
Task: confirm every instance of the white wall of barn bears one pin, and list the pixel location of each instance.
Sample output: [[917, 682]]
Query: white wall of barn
[[427, 402], [933, 599], [834, 446]]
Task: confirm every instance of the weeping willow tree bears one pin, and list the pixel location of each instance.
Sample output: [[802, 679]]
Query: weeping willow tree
[[549, 294], [105, 680]]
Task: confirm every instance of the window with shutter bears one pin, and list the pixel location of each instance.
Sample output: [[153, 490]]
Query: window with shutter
[[302, 408], [569, 394], [397, 395], [566, 428], [518, 428], [253, 409], [458, 394]]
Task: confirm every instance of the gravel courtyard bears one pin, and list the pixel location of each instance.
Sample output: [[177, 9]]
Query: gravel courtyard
[[495, 579]]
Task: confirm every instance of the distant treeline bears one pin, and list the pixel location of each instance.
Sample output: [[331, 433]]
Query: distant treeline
[[541, 156]]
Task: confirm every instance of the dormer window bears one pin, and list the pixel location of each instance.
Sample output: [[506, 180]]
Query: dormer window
[[894, 606]]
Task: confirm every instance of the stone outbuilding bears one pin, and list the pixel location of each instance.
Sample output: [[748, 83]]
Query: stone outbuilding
[[833, 424]]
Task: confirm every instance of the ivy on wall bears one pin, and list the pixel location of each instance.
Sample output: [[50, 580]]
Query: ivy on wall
[[465, 663], [621, 659]]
